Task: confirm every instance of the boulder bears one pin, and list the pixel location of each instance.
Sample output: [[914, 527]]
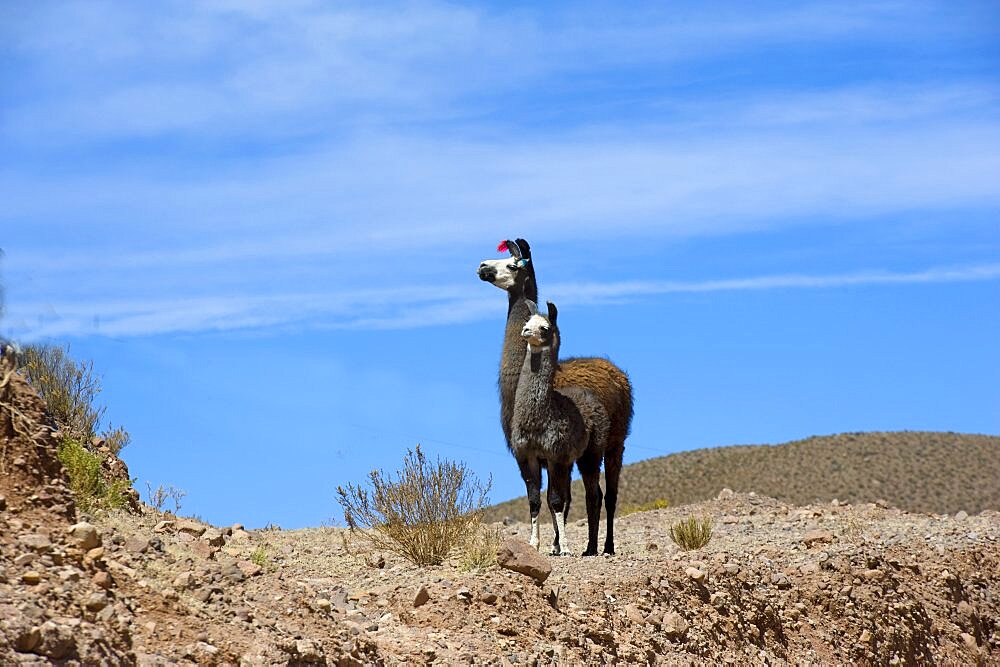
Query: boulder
[[521, 557]]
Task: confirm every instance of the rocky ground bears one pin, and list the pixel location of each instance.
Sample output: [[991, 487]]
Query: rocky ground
[[826, 584]]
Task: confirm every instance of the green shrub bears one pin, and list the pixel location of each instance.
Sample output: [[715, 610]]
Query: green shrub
[[83, 467], [422, 514], [691, 533]]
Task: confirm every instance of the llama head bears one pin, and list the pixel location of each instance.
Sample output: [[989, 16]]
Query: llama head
[[512, 272], [539, 331]]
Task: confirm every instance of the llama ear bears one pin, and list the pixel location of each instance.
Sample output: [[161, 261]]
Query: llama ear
[[523, 248], [553, 313], [511, 247], [532, 307]]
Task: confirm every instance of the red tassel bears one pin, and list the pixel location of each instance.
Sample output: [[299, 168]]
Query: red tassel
[[503, 246]]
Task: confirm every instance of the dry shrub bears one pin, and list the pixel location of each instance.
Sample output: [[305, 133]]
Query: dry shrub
[[480, 549], [691, 533], [422, 514], [69, 389], [658, 504]]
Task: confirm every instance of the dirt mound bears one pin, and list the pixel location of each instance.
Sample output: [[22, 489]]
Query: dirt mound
[[916, 471], [827, 584], [57, 599]]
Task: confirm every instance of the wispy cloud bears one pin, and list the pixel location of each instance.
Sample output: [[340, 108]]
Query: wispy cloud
[[404, 308]]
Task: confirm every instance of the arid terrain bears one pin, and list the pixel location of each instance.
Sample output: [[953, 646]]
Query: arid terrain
[[916, 471], [825, 583]]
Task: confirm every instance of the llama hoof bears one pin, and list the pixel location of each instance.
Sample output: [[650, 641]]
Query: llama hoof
[[589, 552], [609, 552]]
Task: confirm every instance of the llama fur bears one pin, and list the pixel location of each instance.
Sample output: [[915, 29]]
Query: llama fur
[[599, 375], [555, 426]]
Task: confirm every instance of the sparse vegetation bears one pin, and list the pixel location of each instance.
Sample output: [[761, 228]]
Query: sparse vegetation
[[423, 513], [69, 389], [259, 556], [159, 496], [88, 484], [692, 533], [658, 504], [480, 549]]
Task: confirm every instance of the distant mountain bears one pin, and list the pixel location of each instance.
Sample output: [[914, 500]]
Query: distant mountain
[[916, 471]]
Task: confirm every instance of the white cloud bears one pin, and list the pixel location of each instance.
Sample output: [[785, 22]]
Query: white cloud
[[403, 308]]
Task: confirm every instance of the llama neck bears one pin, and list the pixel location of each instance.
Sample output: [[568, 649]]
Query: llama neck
[[534, 388], [512, 356]]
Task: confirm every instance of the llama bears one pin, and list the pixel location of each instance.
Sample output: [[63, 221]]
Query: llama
[[516, 276], [556, 426]]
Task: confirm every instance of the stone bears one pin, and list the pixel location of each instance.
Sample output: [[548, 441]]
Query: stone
[[422, 597], [809, 568], [634, 614], [28, 640], [213, 537], [969, 641], [56, 640], [233, 572], [25, 559], [36, 542], [730, 519], [726, 494], [97, 553], [190, 527], [817, 537], [184, 580], [488, 597], [697, 575], [309, 651], [866, 636], [962, 515], [102, 579], [3, 503], [204, 549], [674, 625], [249, 568], [85, 535], [163, 526], [96, 602], [31, 577], [137, 544], [518, 556], [323, 605]]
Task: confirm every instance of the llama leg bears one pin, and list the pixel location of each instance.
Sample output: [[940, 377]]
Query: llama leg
[[590, 470], [531, 473], [612, 471], [558, 491]]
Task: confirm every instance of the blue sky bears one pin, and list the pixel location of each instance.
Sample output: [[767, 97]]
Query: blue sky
[[261, 220]]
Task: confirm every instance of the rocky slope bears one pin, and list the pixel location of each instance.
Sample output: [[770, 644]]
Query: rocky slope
[[917, 471], [827, 583]]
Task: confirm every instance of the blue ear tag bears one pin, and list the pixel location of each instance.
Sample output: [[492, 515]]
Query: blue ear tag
[[523, 262]]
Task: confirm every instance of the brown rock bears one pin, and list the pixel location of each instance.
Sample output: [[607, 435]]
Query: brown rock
[[184, 580], [969, 641], [204, 549], [249, 568], [817, 537], [674, 625], [163, 526], [520, 557], [56, 640], [213, 537], [102, 579], [190, 527], [421, 597], [96, 601], [86, 535], [31, 577], [137, 544], [695, 574], [97, 553]]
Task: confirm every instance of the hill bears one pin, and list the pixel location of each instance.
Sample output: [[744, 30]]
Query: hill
[[915, 471]]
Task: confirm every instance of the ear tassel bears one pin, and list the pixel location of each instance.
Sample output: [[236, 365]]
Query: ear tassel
[[503, 246]]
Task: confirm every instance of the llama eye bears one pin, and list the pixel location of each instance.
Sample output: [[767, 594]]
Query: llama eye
[[513, 267]]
